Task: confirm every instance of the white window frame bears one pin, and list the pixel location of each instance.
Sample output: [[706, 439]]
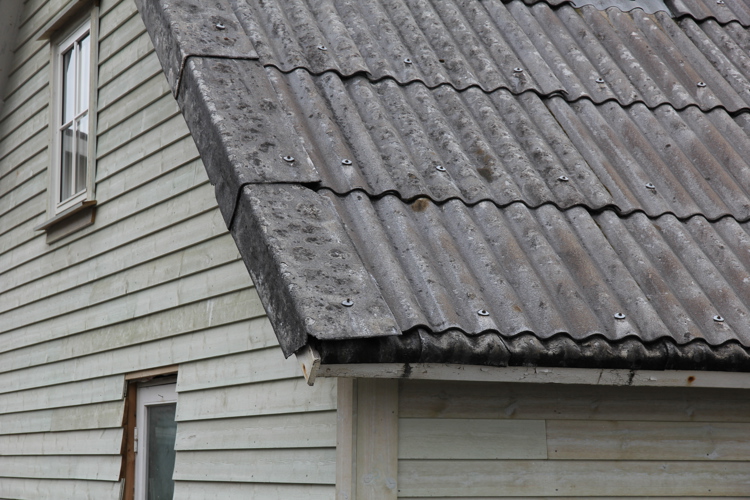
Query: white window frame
[[149, 395], [56, 204]]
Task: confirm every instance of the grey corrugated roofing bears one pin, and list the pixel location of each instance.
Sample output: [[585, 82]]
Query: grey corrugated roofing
[[625, 56], [381, 204]]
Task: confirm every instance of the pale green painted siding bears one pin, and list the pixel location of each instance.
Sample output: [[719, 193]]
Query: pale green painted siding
[[155, 281]]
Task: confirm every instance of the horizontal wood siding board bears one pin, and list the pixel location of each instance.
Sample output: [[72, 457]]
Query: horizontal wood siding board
[[99, 468], [436, 399], [149, 93], [263, 398], [168, 351], [124, 59], [12, 162], [127, 81], [243, 368], [90, 442], [113, 15], [56, 489], [29, 189], [471, 439], [299, 430], [78, 393], [94, 416], [571, 478], [125, 33], [192, 490], [620, 440], [304, 465], [224, 316], [168, 240], [35, 104], [39, 82]]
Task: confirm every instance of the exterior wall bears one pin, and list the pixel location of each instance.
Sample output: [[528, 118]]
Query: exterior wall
[[489, 440], [156, 281]]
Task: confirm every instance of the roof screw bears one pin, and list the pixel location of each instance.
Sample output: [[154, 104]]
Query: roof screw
[[440, 168], [600, 80], [483, 312], [701, 84], [650, 186], [346, 161], [619, 316], [347, 303], [407, 61], [518, 70], [563, 178], [220, 26], [289, 159], [718, 319], [720, 2], [322, 47]]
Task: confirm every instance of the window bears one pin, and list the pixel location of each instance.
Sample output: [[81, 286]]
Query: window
[[72, 124], [155, 433]]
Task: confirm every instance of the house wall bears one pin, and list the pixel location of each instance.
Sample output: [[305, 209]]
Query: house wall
[[491, 440], [156, 281]]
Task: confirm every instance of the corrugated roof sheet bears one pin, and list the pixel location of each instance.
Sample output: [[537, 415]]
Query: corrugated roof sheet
[[603, 55], [509, 208]]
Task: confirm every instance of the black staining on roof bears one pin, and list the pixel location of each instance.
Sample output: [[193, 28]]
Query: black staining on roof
[[545, 183]]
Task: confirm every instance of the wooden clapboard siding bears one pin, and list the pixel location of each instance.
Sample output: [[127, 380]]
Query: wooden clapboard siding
[[50, 489], [95, 416], [501, 440], [82, 442], [243, 491]]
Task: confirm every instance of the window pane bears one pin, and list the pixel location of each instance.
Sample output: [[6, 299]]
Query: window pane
[[69, 86], [83, 75], [66, 164], [82, 133], [162, 430]]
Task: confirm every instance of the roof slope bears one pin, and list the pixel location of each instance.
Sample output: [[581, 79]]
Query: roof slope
[[490, 182]]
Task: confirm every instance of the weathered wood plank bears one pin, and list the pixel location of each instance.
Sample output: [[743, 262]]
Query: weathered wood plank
[[23, 214], [228, 278], [618, 440], [144, 96], [168, 351], [13, 162], [192, 490], [36, 103], [153, 273], [263, 398], [377, 439], [571, 478], [36, 84], [20, 234], [79, 393], [95, 416], [34, 165], [304, 466], [130, 79], [471, 439], [21, 75], [123, 59], [243, 368], [59, 489], [448, 399], [35, 124], [89, 442], [100, 468], [346, 439], [201, 228], [299, 430], [113, 16], [121, 37], [23, 192], [223, 316]]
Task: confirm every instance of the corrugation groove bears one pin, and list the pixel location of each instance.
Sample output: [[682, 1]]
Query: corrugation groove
[[474, 146], [549, 272], [640, 57]]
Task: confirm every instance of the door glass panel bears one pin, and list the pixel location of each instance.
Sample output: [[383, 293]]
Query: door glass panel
[[162, 430], [69, 85], [83, 75], [82, 152], [66, 170]]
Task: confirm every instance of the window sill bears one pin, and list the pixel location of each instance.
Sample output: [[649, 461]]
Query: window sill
[[68, 221]]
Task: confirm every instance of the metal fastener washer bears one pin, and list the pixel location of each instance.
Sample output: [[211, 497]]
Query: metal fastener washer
[[347, 303], [483, 312], [322, 47], [440, 168], [701, 84], [600, 80], [518, 70], [288, 158], [346, 161], [407, 61], [650, 186], [220, 26], [719, 319], [563, 178], [619, 316]]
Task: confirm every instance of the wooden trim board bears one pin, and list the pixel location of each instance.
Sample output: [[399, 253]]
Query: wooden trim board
[[583, 376]]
